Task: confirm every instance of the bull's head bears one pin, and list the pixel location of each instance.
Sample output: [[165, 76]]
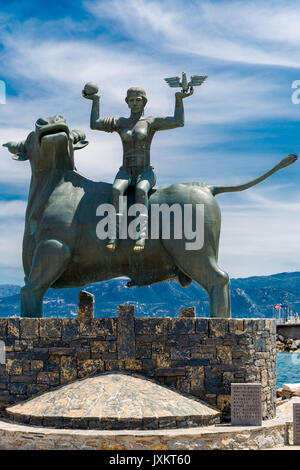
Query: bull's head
[[50, 146]]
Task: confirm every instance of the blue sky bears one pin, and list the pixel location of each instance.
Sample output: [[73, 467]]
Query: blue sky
[[238, 124]]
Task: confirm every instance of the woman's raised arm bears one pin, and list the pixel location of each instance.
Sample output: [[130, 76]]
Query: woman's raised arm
[[107, 124], [170, 122]]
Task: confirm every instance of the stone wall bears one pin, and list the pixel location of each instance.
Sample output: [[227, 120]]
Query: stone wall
[[199, 356]]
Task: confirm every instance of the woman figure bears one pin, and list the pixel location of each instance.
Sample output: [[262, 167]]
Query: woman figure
[[136, 133]]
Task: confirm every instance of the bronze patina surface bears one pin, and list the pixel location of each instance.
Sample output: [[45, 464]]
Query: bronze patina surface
[[61, 247]]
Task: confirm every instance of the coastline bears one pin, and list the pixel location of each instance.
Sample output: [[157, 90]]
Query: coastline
[[287, 344]]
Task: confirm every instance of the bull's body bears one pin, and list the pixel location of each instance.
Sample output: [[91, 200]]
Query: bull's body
[[61, 247], [68, 205]]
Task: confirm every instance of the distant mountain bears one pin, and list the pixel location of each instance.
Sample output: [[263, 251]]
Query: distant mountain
[[6, 290], [250, 297]]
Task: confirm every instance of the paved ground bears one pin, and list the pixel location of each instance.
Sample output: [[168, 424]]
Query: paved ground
[[285, 448]]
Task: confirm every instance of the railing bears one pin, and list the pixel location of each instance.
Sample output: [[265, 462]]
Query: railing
[[290, 320]]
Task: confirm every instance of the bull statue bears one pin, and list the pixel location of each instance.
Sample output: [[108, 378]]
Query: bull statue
[[61, 247]]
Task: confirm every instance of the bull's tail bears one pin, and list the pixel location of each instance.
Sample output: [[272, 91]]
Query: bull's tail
[[289, 160]]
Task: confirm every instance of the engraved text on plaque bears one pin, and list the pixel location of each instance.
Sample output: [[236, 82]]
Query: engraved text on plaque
[[246, 405]]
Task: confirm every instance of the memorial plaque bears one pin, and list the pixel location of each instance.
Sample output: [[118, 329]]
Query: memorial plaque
[[296, 423], [246, 405]]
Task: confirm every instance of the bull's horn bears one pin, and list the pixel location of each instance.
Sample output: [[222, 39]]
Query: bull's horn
[[18, 149], [81, 144]]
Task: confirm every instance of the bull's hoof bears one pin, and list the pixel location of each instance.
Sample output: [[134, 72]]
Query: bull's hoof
[[140, 245], [112, 246], [136, 249]]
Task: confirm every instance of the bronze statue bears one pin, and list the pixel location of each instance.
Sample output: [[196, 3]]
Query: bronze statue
[[136, 133], [61, 247]]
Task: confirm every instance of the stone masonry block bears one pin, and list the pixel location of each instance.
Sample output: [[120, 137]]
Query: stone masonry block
[[86, 305], [114, 365], [86, 328], [195, 373], [68, 369], [182, 326], [126, 332], [18, 388], [260, 344], [99, 346], [29, 328], [3, 328], [236, 325], [51, 328], [104, 327], [170, 372], [89, 367], [49, 378], [149, 364], [202, 325], [214, 385], [133, 364], [217, 327], [13, 328], [152, 326], [180, 353], [14, 367], [189, 312], [70, 329], [143, 351], [224, 354], [270, 325], [37, 365], [251, 325]]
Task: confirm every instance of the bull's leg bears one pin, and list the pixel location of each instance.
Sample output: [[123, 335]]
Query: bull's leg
[[215, 281], [49, 262], [218, 288]]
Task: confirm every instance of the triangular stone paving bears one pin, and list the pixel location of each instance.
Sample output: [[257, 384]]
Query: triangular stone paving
[[114, 401]]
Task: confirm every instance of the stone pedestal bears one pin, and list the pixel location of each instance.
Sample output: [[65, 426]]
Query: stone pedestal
[[86, 305], [198, 356]]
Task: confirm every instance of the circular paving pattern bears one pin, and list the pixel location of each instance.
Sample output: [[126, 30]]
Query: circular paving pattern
[[114, 401]]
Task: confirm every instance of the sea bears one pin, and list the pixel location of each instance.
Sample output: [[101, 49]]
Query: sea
[[288, 368]]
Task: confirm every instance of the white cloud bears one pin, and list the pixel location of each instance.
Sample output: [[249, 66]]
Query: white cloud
[[260, 233], [13, 172], [12, 216], [247, 32], [9, 209]]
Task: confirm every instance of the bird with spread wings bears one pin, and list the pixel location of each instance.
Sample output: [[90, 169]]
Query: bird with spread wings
[[195, 80]]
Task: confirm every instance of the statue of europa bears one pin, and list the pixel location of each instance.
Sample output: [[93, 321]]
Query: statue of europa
[[63, 245]]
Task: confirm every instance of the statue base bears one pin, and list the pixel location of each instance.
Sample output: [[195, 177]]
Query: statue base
[[196, 356]]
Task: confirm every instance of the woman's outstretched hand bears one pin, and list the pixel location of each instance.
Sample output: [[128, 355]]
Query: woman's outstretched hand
[[184, 94]]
